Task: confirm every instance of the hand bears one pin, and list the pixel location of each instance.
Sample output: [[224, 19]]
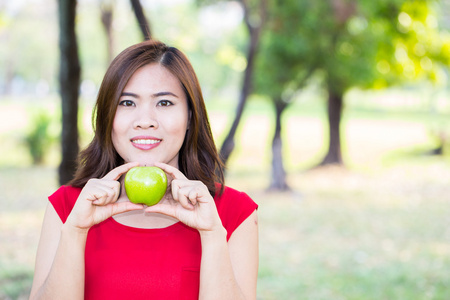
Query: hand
[[189, 201], [98, 200]]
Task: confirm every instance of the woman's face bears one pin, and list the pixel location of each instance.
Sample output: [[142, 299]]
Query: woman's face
[[152, 117]]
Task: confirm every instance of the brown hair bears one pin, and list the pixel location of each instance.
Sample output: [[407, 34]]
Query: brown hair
[[198, 157]]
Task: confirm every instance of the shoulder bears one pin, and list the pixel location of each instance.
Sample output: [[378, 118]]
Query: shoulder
[[63, 200], [232, 197], [233, 207], [230, 193]]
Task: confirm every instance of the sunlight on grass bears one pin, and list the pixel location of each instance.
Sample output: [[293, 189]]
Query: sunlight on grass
[[355, 236]]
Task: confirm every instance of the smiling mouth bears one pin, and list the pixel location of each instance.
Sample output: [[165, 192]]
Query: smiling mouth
[[145, 141]]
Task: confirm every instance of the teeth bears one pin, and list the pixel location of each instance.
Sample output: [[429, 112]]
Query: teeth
[[146, 142]]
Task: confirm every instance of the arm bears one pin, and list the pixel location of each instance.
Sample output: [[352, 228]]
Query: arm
[[60, 257], [59, 260], [230, 270]]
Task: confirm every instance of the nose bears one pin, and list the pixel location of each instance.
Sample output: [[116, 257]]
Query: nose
[[145, 118]]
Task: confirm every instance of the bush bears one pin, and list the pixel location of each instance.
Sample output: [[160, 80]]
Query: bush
[[38, 139]]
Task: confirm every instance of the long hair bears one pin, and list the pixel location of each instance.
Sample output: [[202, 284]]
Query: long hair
[[198, 157]]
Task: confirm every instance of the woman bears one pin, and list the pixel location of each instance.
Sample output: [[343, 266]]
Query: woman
[[199, 242]]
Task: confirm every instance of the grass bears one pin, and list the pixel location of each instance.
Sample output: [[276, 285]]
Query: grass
[[22, 202], [351, 235], [376, 229], [15, 281]]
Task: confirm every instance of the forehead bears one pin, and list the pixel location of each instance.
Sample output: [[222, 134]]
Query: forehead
[[154, 77]]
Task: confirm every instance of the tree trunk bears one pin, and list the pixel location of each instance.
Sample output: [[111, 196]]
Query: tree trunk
[[106, 9], [335, 106], [255, 33], [142, 20], [69, 79], [9, 74], [228, 144], [278, 179]]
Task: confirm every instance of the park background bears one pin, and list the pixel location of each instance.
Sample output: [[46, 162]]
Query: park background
[[374, 225]]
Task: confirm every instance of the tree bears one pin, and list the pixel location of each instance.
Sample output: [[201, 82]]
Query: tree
[[254, 18], [141, 19], [344, 48], [281, 71], [255, 14], [348, 53], [278, 175], [340, 47], [371, 48], [337, 83], [106, 10], [69, 79], [377, 44], [422, 48]]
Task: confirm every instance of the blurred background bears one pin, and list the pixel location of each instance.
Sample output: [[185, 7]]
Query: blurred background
[[333, 115]]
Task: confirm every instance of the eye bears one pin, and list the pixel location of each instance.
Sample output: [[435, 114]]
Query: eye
[[165, 103], [127, 103]]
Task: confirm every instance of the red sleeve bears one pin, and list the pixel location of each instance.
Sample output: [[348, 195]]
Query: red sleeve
[[63, 200], [234, 207]]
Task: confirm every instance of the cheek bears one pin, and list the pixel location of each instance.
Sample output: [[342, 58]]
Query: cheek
[[117, 128], [178, 125]]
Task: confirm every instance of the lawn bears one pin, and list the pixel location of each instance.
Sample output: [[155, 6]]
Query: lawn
[[376, 229], [353, 235]]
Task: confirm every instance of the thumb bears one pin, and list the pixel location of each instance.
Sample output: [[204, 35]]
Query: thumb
[[161, 208], [121, 207]]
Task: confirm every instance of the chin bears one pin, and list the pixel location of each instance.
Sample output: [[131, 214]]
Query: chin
[[143, 162], [146, 163], [150, 162]]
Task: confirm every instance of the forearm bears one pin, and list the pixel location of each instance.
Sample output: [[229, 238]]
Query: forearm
[[217, 279], [66, 276]]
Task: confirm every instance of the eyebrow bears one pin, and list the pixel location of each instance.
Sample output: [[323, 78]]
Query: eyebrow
[[164, 94], [154, 95], [129, 94]]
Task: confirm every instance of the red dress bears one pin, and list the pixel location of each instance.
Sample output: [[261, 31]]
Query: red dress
[[123, 262]]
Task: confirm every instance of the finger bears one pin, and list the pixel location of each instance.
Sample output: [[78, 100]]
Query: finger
[[172, 171], [174, 188], [94, 192], [107, 191], [115, 173], [193, 195], [197, 190], [121, 207], [103, 195], [116, 189], [192, 190], [177, 184], [183, 199], [161, 208], [113, 185]]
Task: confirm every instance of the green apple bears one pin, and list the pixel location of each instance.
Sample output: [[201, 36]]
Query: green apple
[[146, 185]]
